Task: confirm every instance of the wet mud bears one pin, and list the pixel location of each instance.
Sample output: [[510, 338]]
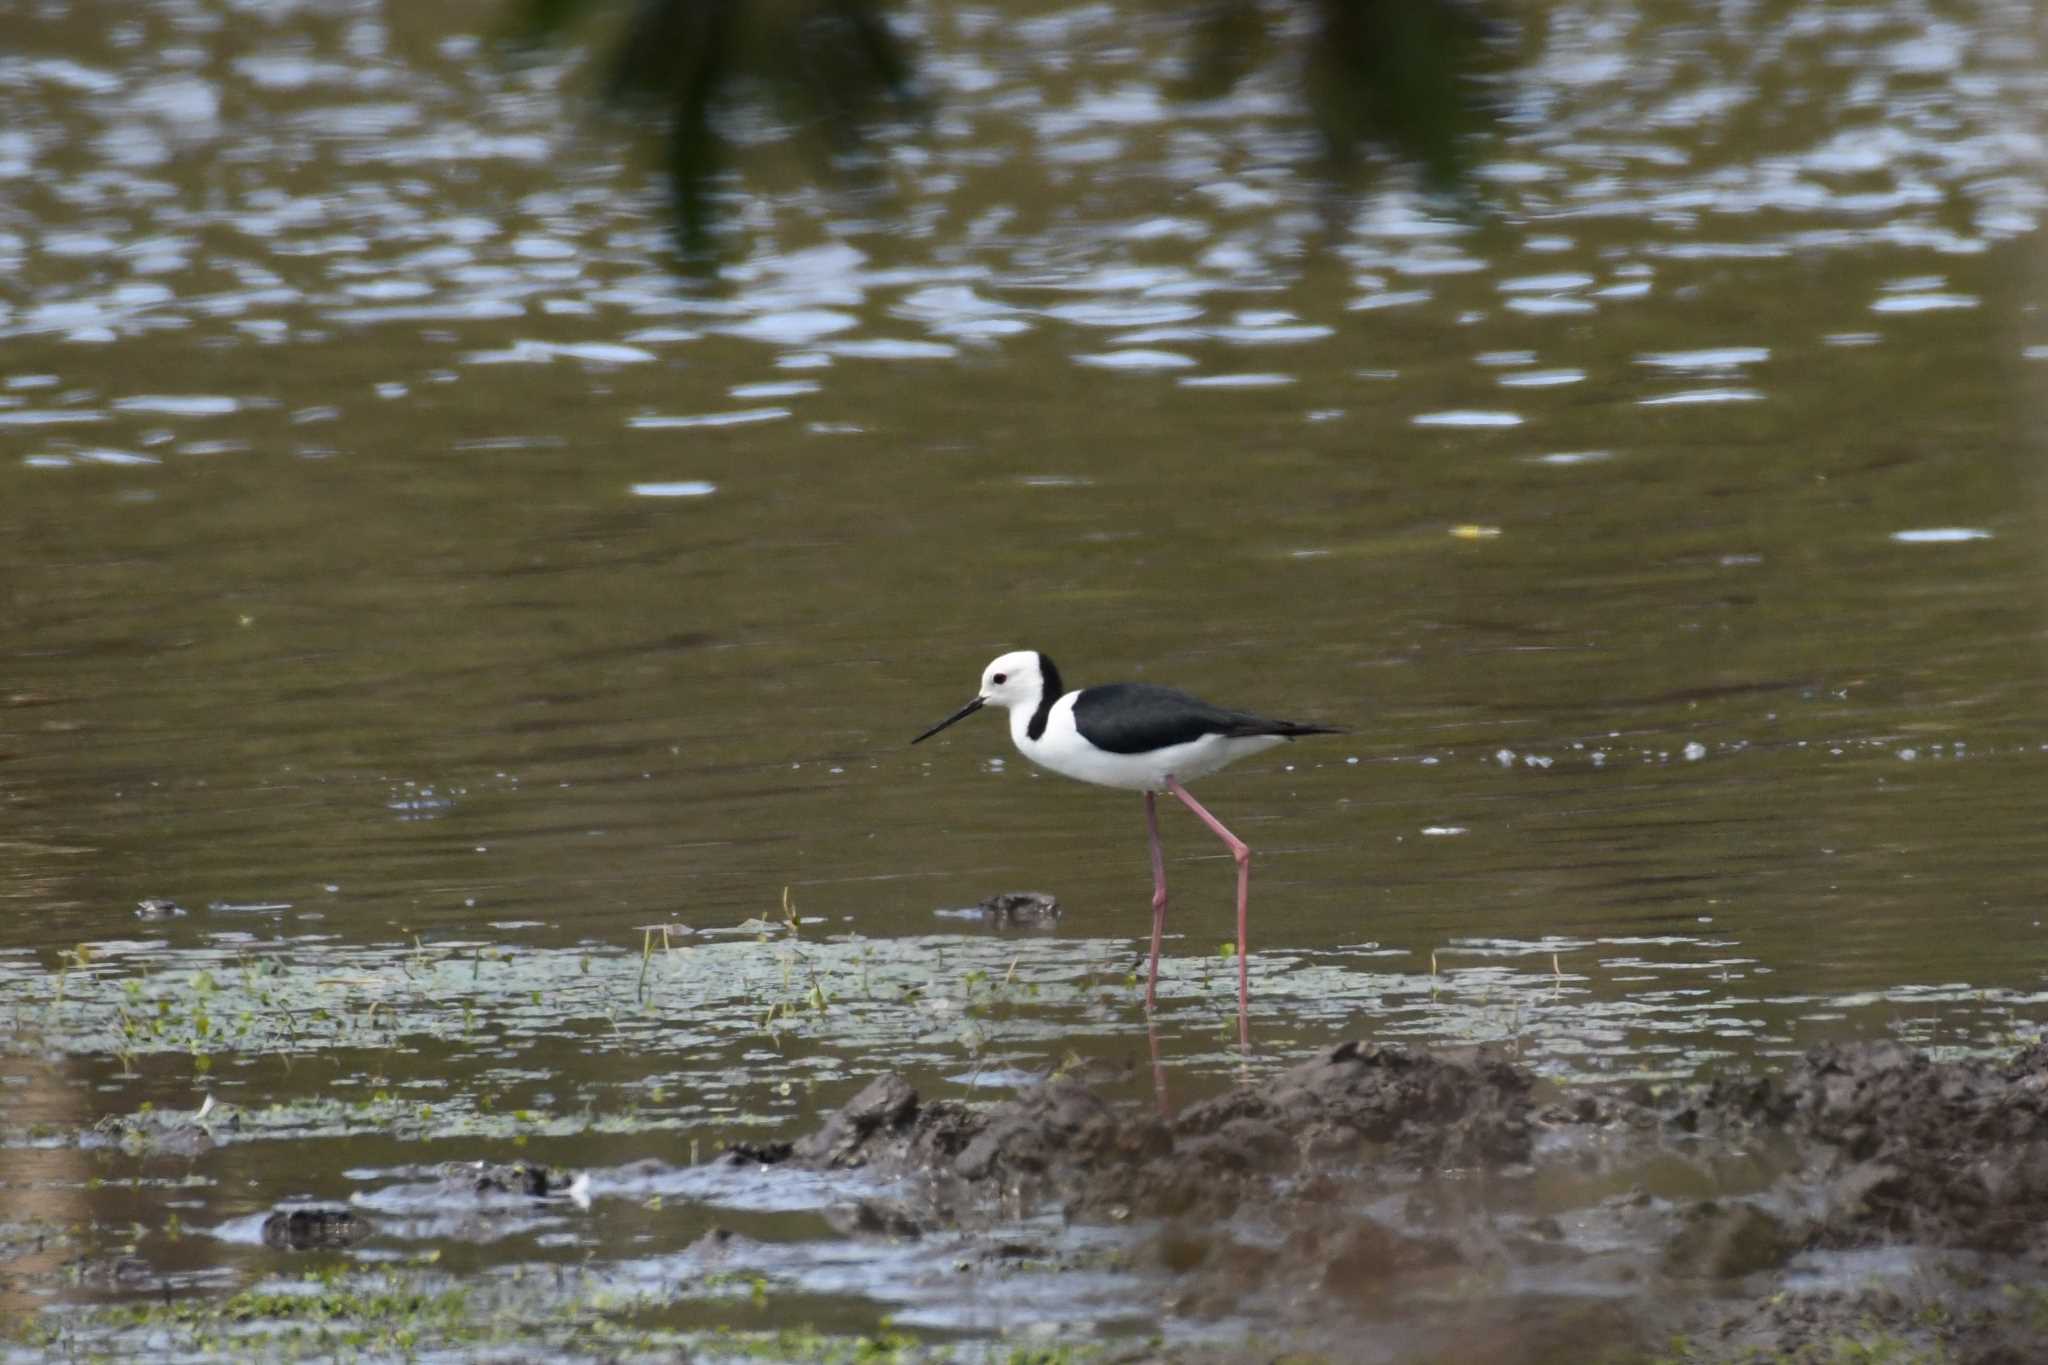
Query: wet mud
[[1460, 1208]]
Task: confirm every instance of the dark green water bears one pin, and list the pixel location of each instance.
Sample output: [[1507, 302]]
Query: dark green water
[[413, 579]]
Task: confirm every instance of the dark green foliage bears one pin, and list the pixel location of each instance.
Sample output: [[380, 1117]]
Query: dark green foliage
[[1398, 71], [1403, 73], [829, 64]]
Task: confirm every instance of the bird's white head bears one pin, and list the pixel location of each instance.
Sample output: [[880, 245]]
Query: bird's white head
[[1013, 680]]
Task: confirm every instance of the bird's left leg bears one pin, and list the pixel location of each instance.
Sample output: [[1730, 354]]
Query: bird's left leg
[[1243, 854], [1158, 897]]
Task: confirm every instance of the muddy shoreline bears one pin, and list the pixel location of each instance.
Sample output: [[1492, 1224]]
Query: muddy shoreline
[[1378, 1203]]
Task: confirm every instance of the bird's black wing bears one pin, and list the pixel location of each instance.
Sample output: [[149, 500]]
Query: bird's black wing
[[1136, 718]]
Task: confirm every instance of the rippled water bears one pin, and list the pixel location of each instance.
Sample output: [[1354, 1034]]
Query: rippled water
[[410, 575]]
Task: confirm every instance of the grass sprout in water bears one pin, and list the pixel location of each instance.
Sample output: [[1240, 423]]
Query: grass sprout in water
[[581, 1038]]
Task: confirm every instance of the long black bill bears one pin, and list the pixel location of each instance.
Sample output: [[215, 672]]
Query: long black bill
[[962, 714]]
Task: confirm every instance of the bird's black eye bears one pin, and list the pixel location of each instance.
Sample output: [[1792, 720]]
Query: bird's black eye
[[1000, 678]]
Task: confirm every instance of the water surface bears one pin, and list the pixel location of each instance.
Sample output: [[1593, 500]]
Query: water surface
[[424, 586]]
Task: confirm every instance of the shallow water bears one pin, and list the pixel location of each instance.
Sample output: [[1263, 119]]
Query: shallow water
[[420, 584]]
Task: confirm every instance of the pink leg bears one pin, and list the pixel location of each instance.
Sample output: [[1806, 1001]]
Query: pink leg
[[1158, 1071], [1158, 897], [1243, 854]]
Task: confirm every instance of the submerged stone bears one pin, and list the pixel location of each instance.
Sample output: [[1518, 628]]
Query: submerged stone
[[1020, 908], [313, 1229], [518, 1178]]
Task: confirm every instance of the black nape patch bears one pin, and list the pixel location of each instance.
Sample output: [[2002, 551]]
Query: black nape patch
[[1049, 691]]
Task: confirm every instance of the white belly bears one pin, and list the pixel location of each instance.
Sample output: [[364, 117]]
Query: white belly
[[1062, 750]]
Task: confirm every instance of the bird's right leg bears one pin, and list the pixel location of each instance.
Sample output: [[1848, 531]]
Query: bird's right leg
[[1243, 856], [1158, 897]]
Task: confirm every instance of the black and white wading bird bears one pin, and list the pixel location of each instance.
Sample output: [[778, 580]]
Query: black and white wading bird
[[1141, 738]]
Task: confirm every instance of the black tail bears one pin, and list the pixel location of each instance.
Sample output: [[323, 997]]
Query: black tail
[[1286, 729]]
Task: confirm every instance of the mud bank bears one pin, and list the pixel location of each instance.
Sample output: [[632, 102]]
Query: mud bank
[[1377, 1203]]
